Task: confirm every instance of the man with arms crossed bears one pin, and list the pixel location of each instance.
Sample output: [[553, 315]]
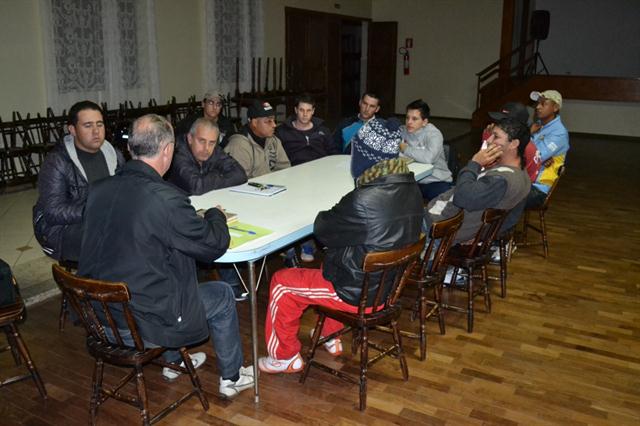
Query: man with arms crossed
[[143, 231]]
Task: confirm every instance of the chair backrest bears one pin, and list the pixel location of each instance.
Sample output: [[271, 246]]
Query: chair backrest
[[561, 171], [441, 236], [389, 270], [491, 222], [94, 301]]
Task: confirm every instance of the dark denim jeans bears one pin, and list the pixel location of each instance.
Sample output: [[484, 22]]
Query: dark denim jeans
[[222, 317]]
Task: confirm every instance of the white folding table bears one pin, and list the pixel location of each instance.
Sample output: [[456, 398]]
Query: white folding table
[[311, 187]]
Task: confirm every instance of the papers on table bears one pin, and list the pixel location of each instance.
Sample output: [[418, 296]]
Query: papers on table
[[255, 188], [243, 233]]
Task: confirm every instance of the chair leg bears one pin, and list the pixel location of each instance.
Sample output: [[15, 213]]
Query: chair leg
[[24, 352], [96, 395], [470, 301], [63, 313], [504, 259], [312, 350], [437, 295], [195, 380], [364, 365], [423, 324], [543, 229], [143, 401], [397, 339], [485, 284], [13, 346]]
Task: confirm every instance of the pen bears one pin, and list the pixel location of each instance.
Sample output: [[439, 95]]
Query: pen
[[258, 185], [242, 230]]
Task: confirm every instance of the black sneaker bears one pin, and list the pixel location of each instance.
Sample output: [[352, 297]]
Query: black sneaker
[[291, 262], [239, 293]]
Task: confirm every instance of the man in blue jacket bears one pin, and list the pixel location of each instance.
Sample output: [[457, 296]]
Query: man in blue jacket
[[143, 231]]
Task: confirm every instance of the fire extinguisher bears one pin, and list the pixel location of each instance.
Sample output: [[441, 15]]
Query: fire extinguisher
[[406, 62]]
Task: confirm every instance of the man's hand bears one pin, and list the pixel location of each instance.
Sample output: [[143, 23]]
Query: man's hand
[[486, 157], [535, 127], [403, 145]]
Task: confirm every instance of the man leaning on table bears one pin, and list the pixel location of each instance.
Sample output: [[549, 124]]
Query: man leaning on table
[[384, 212], [256, 147], [143, 231]]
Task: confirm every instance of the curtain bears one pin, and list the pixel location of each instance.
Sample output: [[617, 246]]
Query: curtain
[[234, 29], [100, 50]]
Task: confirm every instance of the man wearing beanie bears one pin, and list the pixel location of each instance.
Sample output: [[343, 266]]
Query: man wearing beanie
[[549, 145], [256, 147], [383, 212], [377, 140]]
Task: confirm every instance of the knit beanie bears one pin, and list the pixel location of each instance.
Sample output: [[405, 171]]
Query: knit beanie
[[383, 168], [377, 140]]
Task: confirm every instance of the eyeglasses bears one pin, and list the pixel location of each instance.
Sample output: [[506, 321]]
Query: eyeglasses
[[213, 103]]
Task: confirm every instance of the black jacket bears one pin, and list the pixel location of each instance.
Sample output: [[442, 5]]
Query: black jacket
[[62, 193], [306, 145], [143, 231], [219, 171], [225, 126], [381, 215]]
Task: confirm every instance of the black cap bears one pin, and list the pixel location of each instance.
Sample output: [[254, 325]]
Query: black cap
[[512, 109], [260, 109]]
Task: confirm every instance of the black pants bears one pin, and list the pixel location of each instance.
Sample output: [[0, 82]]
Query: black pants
[[535, 198], [71, 241]]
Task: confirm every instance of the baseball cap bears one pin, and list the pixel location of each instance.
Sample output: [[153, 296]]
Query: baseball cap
[[212, 94], [260, 109], [553, 95], [511, 109]]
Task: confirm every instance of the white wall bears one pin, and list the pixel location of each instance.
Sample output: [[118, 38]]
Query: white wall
[[592, 37], [609, 118], [452, 40], [22, 84]]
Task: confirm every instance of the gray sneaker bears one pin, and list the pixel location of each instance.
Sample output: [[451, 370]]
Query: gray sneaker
[[197, 359], [229, 388]]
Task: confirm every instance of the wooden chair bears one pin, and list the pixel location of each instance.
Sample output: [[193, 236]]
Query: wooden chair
[[542, 230], [505, 243], [94, 302], [471, 257], [69, 266], [9, 316], [429, 274], [390, 269], [16, 165]]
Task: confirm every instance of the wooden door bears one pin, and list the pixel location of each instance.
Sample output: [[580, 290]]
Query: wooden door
[[382, 53]]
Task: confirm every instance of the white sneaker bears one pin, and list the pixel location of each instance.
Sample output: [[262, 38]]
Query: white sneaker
[[275, 366], [229, 388], [197, 359], [333, 346]]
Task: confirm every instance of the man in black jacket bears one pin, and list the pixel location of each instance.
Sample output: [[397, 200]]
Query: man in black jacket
[[384, 212], [75, 163], [305, 138], [200, 165], [143, 231]]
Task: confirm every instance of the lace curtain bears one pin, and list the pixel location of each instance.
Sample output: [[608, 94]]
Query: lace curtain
[[101, 50], [234, 29]]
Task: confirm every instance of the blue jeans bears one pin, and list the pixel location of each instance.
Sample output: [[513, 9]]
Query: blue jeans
[[433, 189], [222, 318]]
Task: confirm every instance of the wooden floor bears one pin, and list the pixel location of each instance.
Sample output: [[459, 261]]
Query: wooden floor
[[562, 348]]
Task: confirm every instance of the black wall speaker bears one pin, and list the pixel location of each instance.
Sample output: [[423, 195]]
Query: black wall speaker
[[540, 24]]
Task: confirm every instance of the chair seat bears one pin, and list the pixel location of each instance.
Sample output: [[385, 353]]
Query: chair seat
[[371, 320], [458, 256], [121, 355], [10, 313]]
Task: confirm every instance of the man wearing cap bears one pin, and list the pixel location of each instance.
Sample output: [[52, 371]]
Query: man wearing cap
[[383, 212], [510, 109], [212, 103], [256, 147], [368, 106], [549, 145]]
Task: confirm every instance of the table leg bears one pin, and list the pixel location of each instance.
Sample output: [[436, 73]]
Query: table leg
[[254, 325]]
